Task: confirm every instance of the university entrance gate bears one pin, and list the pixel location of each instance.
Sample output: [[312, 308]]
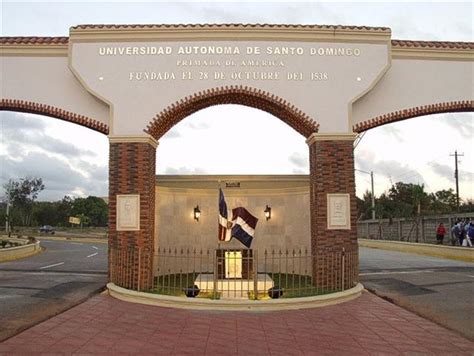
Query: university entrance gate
[[329, 83]]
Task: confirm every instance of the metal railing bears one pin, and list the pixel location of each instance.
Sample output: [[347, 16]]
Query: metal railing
[[235, 273]]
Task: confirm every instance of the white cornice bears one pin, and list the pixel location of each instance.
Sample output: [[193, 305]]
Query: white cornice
[[133, 139], [330, 137]]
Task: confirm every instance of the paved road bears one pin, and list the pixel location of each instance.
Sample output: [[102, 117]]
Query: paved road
[[67, 273], [36, 288], [438, 289]]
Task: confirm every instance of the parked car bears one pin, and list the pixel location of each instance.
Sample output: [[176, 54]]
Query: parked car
[[47, 229]]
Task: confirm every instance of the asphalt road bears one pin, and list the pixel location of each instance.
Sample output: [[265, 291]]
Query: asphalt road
[[35, 288], [66, 273], [438, 289]]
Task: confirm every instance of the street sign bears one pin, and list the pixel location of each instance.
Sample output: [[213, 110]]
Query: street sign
[[74, 220]]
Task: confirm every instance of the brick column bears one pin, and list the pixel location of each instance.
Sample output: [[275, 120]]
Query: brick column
[[132, 172], [332, 172]]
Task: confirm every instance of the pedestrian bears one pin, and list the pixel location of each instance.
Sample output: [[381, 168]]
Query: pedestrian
[[456, 231], [440, 232], [469, 235], [453, 238], [462, 232]]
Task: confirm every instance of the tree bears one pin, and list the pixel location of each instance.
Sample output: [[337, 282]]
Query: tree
[[409, 199], [364, 206], [406, 200], [21, 194], [45, 213], [64, 210], [443, 201], [94, 208], [467, 206]]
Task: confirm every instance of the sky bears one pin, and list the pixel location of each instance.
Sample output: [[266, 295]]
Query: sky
[[72, 160]]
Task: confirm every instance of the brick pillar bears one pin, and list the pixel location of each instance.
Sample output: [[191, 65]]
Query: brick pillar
[[132, 174], [332, 172]]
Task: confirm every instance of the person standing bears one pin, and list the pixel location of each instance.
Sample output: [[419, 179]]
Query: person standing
[[440, 232], [463, 232], [470, 234], [456, 231]]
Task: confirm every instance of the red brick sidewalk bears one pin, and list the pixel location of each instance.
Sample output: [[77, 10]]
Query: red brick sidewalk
[[365, 326]]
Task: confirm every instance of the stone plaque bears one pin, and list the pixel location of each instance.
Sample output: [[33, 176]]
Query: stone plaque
[[339, 212], [233, 264], [128, 212]]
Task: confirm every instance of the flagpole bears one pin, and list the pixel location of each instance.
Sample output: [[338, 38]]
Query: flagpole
[[218, 241]]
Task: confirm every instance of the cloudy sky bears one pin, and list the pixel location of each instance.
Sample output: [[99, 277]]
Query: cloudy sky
[[72, 160]]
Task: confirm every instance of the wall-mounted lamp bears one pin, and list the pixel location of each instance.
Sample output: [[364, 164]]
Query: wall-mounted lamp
[[268, 213], [197, 213]]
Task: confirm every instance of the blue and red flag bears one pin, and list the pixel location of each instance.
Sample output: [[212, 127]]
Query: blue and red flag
[[224, 223], [242, 226]]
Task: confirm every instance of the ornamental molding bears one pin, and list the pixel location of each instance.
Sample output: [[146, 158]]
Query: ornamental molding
[[242, 95], [453, 106], [133, 139], [52, 111], [315, 137]]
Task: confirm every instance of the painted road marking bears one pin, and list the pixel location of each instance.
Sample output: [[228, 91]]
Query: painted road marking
[[93, 254], [98, 273], [392, 272], [49, 266], [76, 243], [94, 247]]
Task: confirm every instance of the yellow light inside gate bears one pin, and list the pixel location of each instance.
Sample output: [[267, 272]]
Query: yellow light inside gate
[[197, 213], [268, 212]]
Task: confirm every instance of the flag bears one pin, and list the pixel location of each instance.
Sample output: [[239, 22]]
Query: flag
[[244, 226], [224, 230]]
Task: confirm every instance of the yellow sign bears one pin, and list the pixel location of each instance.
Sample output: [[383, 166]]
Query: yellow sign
[[74, 220]]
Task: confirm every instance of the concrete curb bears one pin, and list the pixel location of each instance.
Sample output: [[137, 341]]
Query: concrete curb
[[448, 252], [15, 253], [234, 305], [74, 239]]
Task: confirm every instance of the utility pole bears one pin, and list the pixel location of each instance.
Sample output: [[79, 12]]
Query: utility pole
[[373, 196], [372, 186], [456, 175], [7, 217]]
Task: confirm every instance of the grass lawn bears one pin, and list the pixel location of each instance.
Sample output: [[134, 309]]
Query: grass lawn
[[293, 286], [174, 284]]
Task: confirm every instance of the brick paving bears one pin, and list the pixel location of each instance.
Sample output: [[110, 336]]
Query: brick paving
[[365, 326]]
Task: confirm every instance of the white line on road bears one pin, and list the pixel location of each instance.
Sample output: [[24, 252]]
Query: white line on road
[[67, 274], [76, 243], [49, 266], [94, 247], [93, 254], [392, 272]]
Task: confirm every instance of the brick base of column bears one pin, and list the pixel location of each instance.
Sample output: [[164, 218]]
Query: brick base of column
[[332, 172], [132, 171]]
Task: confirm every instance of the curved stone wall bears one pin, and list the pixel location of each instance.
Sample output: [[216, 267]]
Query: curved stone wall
[[288, 197]]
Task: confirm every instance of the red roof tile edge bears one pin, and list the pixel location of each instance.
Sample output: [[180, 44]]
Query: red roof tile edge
[[395, 43], [231, 25], [446, 107], [34, 40], [52, 111], [432, 44]]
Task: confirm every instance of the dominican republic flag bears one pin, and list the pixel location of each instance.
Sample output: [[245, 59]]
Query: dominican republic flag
[[244, 226], [224, 223]]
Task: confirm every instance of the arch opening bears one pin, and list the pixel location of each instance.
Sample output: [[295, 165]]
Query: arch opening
[[249, 174], [252, 97], [417, 153], [54, 112], [438, 108]]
